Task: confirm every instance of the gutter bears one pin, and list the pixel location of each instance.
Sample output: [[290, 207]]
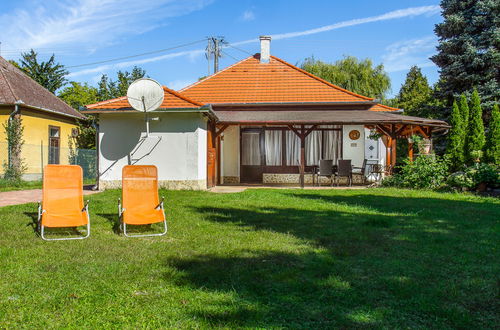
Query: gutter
[[46, 110]]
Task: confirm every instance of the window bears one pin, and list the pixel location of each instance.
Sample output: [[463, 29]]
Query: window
[[54, 144]]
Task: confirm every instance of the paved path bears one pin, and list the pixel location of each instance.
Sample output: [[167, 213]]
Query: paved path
[[27, 196]]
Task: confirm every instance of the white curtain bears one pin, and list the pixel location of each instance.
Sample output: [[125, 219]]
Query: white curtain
[[313, 148], [292, 148], [250, 148], [332, 143], [273, 144]]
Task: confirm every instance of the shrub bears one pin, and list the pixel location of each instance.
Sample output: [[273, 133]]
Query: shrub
[[426, 172], [485, 173], [460, 181]]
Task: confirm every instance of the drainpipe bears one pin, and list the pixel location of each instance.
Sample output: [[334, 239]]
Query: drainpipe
[[11, 118]]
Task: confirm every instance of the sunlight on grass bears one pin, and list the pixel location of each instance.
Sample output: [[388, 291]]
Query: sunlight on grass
[[262, 259]]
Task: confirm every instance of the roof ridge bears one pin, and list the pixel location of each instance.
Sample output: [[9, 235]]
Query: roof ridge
[[179, 95], [216, 73], [387, 107], [105, 102], [320, 79]]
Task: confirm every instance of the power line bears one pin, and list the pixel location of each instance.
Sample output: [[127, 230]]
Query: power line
[[241, 50], [231, 56], [137, 55]]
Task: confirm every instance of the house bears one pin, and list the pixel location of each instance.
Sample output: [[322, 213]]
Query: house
[[261, 120], [48, 122]]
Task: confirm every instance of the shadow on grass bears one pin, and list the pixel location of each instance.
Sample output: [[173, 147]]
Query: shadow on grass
[[113, 220], [34, 222], [383, 261]]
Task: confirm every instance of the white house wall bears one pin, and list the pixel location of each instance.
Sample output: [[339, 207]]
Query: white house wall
[[231, 155], [176, 146], [354, 149]]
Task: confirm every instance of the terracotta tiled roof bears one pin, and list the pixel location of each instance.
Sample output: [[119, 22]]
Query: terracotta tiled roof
[[249, 81], [172, 100], [17, 86]]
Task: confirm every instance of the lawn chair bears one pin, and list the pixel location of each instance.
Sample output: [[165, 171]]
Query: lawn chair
[[344, 170], [141, 204], [361, 171], [325, 169], [62, 201]]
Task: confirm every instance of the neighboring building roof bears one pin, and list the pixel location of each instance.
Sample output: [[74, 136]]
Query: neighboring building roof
[[345, 117], [16, 86], [250, 81], [171, 100]]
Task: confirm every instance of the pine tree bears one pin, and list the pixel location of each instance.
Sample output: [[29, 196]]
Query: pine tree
[[455, 147], [475, 133], [492, 149], [468, 50], [415, 94]]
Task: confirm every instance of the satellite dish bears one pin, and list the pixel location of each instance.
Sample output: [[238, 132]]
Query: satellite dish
[[145, 95]]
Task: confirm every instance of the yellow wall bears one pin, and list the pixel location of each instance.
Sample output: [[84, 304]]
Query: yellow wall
[[4, 116], [36, 137]]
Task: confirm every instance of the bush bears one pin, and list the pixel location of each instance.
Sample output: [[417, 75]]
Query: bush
[[426, 172], [475, 175]]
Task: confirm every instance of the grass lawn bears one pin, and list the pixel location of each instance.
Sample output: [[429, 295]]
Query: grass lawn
[[263, 258]]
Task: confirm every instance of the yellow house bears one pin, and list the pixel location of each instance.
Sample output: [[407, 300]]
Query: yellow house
[[49, 123]]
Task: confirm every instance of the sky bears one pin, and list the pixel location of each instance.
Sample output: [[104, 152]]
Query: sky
[[397, 33]]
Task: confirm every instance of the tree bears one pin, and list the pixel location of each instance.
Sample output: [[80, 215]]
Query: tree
[[78, 95], [492, 148], [463, 105], [50, 74], [455, 147], [475, 133], [358, 76], [468, 50], [109, 88], [415, 95]]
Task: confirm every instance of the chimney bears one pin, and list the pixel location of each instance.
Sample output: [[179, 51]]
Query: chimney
[[265, 49]]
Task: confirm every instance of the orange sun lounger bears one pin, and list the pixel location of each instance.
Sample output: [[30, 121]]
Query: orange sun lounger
[[141, 204], [62, 201]]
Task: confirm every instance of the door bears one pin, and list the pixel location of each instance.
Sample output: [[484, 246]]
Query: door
[[211, 156], [54, 144], [252, 156]]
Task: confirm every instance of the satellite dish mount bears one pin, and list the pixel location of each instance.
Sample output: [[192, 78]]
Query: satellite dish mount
[[145, 95]]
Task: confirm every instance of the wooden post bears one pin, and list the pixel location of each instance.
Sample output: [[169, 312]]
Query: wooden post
[[393, 151], [388, 151], [302, 159], [410, 151]]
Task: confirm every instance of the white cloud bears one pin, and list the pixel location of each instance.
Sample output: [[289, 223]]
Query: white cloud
[[400, 13], [402, 55], [86, 24], [408, 12], [248, 15]]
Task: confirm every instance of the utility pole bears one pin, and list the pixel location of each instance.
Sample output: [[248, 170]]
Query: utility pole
[[214, 49]]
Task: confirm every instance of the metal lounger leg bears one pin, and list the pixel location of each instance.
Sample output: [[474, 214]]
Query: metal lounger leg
[[42, 231], [147, 235]]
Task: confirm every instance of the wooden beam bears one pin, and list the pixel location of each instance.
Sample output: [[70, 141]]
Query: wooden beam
[[221, 129], [410, 151], [384, 130], [293, 129], [302, 160], [310, 130]]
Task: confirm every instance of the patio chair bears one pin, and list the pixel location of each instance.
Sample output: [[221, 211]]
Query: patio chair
[[141, 204], [344, 170], [361, 170], [325, 169], [62, 201]]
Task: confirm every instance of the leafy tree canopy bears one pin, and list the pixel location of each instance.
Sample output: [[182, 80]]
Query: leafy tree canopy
[[109, 88], [78, 94], [468, 51], [49, 74], [358, 76]]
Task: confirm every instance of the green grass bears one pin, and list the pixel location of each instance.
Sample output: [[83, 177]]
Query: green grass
[[263, 258], [9, 185]]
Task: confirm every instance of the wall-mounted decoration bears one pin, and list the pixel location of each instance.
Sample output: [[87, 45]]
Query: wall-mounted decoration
[[354, 134]]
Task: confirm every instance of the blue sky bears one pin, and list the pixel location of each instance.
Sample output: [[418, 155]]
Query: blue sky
[[397, 33]]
